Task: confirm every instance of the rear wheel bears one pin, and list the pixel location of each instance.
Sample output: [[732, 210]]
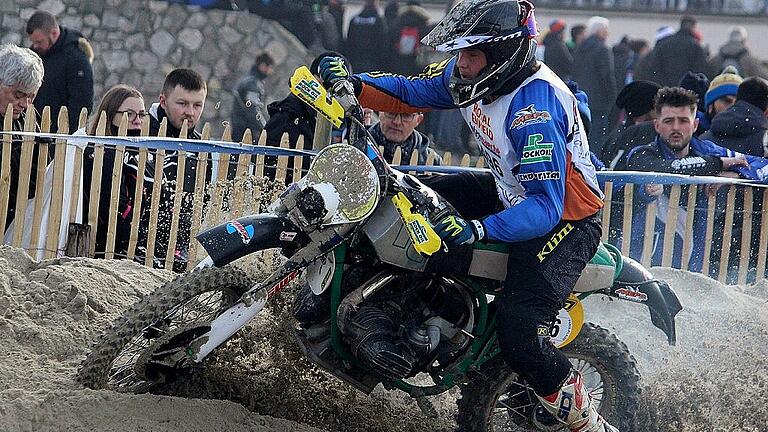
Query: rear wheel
[[146, 345], [496, 399]]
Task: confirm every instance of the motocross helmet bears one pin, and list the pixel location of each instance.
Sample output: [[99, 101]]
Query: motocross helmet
[[504, 30]]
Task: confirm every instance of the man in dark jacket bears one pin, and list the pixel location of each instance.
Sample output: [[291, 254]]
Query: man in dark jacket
[[366, 37], [742, 127], [67, 57], [675, 55], [735, 53], [21, 74], [593, 70], [248, 108], [405, 37], [556, 54], [181, 99], [675, 150], [636, 99]]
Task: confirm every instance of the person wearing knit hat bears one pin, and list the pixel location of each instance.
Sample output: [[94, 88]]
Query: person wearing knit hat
[[636, 99], [556, 53], [721, 93]]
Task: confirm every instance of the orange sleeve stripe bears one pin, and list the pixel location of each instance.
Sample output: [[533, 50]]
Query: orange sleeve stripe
[[378, 100], [580, 200]]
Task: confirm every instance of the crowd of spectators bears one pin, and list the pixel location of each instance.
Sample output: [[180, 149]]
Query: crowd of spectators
[[640, 103]]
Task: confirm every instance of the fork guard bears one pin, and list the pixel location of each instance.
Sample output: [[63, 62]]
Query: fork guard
[[239, 237], [637, 284]]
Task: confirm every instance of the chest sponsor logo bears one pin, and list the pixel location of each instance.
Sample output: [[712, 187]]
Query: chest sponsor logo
[[481, 121], [528, 116], [536, 151], [543, 175], [555, 240]]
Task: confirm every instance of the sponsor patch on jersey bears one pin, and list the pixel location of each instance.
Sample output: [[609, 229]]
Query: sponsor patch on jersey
[[542, 175], [528, 116], [536, 151]]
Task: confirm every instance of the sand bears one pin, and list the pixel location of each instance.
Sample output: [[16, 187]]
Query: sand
[[714, 379]]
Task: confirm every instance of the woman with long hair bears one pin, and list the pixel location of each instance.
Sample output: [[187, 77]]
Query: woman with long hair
[[120, 100]]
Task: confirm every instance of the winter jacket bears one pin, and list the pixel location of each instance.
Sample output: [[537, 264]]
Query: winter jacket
[[294, 117], [593, 70], [675, 55], [417, 142], [68, 79], [741, 128], [703, 159], [16, 143], [557, 56], [405, 39], [156, 115], [366, 36], [736, 54], [615, 151], [248, 107]]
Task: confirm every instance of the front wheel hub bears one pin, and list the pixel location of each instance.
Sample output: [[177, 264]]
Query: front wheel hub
[[171, 354]]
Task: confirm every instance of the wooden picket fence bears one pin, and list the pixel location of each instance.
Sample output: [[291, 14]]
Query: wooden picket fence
[[246, 192]]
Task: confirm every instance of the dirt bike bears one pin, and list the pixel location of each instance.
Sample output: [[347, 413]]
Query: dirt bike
[[385, 301]]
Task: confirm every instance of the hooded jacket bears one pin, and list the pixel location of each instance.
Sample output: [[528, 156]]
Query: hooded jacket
[[675, 55], [68, 79], [741, 128], [366, 35], [734, 51]]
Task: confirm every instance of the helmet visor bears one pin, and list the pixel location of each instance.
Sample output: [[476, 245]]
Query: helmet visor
[[475, 22]]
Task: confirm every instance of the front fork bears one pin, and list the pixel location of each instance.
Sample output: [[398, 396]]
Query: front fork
[[236, 317]]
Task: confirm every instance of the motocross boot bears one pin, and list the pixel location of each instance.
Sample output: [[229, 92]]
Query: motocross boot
[[573, 406]]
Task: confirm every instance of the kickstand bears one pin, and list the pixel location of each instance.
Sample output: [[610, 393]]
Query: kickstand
[[426, 406]]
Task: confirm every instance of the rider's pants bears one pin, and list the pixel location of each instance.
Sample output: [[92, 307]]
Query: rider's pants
[[541, 274]]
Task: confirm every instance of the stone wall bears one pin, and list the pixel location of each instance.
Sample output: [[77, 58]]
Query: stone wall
[[138, 42]]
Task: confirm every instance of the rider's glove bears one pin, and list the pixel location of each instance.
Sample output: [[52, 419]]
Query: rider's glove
[[333, 69], [457, 231]]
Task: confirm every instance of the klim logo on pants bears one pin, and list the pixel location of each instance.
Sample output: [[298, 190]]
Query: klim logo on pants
[[555, 240]]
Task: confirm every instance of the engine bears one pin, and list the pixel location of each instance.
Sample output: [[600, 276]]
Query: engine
[[400, 324]]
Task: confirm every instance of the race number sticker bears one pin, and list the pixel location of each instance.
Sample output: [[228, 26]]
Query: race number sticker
[[568, 323]]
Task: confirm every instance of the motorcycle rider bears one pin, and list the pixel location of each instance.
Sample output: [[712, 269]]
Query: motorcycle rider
[[546, 201]]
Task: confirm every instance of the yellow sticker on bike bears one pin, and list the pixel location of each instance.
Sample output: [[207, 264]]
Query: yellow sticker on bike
[[307, 88], [425, 239], [568, 323]]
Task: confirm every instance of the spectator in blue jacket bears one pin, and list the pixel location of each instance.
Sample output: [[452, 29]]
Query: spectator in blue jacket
[[675, 150], [742, 127]]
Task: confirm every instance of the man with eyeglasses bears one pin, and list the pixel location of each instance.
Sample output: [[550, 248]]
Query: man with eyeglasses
[[21, 75], [399, 130]]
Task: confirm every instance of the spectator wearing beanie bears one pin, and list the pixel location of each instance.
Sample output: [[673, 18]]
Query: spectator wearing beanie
[[636, 99], [556, 54], [698, 83], [742, 127], [721, 93]]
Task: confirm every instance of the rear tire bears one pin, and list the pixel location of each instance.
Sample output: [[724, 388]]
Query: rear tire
[[201, 294], [496, 399]]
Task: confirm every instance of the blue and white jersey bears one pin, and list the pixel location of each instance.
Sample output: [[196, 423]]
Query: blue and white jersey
[[532, 139]]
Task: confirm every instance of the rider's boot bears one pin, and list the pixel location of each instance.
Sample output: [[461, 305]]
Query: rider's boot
[[573, 406]]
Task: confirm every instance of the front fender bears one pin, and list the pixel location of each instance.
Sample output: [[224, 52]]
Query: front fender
[[637, 284], [239, 237]]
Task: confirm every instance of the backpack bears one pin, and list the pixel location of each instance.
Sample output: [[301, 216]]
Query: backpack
[[408, 41], [733, 61]]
